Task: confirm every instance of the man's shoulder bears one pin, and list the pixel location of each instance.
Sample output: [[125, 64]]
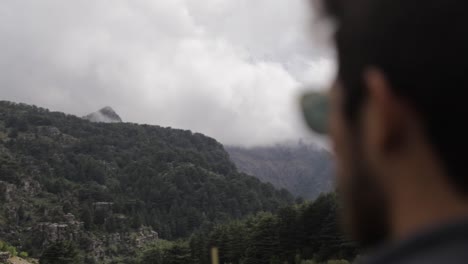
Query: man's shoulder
[[447, 244], [451, 253]]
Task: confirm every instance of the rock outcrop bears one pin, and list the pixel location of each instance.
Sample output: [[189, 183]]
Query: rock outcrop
[[105, 115], [7, 191], [4, 257], [70, 230], [145, 236]]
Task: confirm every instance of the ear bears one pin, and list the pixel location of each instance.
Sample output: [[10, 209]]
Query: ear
[[384, 114]]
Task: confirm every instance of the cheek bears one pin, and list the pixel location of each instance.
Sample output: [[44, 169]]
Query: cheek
[[341, 147], [341, 138]]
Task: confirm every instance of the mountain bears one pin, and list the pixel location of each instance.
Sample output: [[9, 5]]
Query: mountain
[[113, 188], [105, 115], [303, 169]]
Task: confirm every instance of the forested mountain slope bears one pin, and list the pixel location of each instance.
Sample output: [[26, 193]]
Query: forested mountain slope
[[65, 178], [306, 233], [303, 169]]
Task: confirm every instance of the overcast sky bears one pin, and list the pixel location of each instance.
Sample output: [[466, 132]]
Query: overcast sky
[[231, 69]]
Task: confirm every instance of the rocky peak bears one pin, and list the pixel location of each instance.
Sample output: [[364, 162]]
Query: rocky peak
[[105, 115]]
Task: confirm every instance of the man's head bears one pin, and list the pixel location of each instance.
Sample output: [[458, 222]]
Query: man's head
[[398, 110]]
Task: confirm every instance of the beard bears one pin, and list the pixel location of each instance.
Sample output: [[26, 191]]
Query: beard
[[364, 206]]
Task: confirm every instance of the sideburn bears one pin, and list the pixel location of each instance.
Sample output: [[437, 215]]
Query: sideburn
[[366, 208]]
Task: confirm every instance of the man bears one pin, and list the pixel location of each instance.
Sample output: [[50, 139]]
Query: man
[[397, 122]]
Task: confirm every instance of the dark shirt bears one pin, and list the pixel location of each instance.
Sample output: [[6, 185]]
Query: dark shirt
[[445, 245]]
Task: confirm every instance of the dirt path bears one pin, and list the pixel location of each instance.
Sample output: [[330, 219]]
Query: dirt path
[[16, 260]]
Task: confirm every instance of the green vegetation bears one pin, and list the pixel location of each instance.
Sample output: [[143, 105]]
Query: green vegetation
[[309, 231], [304, 234], [165, 252], [117, 177], [60, 253], [13, 251], [73, 191], [5, 247]]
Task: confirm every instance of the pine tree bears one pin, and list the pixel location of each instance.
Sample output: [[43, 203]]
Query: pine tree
[[61, 253]]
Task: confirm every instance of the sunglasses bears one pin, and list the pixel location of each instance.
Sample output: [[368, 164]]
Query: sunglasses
[[315, 108]]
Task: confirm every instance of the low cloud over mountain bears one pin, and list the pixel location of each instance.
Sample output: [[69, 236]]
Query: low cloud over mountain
[[231, 69]]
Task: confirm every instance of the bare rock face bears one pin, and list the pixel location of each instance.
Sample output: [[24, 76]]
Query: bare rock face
[[4, 257], [31, 187], [98, 246], [146, 235], [48, 131], [121, 241], [103, 206], [97, 250], [7, 191], [70, 230], [105, 115]]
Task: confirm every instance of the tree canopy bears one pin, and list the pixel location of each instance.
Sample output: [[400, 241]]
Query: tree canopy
[[118, 177]]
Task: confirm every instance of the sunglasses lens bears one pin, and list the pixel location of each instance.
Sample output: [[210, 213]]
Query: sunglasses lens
[[315, 108]]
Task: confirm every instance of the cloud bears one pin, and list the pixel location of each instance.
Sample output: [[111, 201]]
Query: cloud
[[231, 69]]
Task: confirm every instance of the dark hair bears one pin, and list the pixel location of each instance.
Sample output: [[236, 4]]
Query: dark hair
[[422, 48]]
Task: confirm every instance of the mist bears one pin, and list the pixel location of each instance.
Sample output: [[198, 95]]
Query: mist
[[231, 69]]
